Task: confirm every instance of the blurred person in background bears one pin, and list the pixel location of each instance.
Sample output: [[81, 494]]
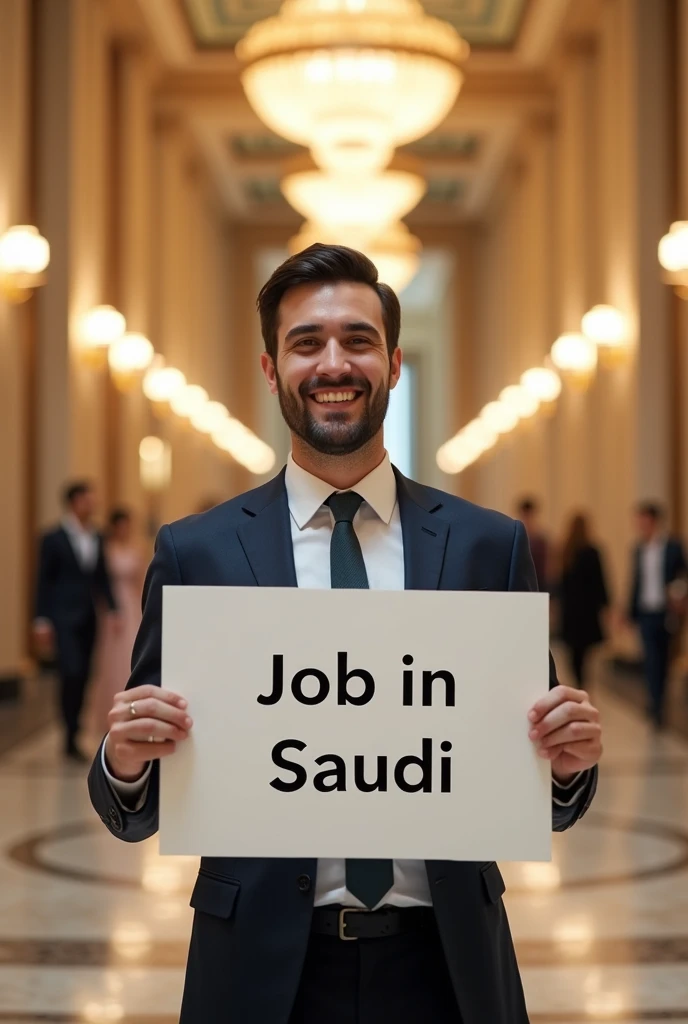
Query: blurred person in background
[[528, 512], [126, 567], [73, 581], [658, 599], [583, 595]]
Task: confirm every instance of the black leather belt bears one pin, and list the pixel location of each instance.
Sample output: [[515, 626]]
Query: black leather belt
[[349, 923]]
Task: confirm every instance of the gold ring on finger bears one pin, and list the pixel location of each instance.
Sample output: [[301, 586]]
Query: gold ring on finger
[[151, 739], [132, 709]]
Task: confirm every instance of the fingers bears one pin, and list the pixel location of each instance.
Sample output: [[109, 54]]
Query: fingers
[[150, 708], [578, 733], [561, 715], [141, 692], [139, 729], [556, 696]]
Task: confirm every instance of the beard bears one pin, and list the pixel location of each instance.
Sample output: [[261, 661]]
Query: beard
[[339, 434]]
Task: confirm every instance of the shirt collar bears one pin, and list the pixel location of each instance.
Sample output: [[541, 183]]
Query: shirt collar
[[71, 524], [307, 493]]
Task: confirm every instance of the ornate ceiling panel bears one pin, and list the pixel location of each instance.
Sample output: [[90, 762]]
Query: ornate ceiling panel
[[219, 23]]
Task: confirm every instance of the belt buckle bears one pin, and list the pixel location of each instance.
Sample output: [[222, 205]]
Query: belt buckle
[[342, 923]]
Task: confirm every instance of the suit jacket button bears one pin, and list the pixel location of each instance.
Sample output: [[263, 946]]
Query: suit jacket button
[[115, 819], [304, 883]]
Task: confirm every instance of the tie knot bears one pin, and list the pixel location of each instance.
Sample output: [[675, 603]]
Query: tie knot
[[344, 506]]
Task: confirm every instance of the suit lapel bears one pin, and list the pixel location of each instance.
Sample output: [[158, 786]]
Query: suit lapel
[[266, 536], [69, 547], [425, 535]]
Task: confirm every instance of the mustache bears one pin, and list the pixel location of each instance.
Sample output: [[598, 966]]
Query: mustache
[[348, 381]]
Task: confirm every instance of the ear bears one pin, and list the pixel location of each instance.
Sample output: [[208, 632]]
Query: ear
[[268, 367], [395, 367]]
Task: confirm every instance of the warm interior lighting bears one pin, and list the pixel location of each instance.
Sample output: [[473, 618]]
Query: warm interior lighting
[[209, 417], [161, 383], [518, 398], [576, 356], [395, 252], [362, 205], [243, 445], [542, 383], [353, 80], [499, 417], [188, 400], [608, 328], [466, 447], [98, 329], [24, 257], [129, 357], [155, 463], [673, 257]]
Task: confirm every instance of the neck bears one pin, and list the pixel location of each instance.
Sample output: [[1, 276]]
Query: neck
[[340, 471]]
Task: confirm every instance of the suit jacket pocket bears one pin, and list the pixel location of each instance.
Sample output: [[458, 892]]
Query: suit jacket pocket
[[493, 882], [215, 895]]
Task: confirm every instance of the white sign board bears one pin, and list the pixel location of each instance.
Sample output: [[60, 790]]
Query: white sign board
[[362, 723]]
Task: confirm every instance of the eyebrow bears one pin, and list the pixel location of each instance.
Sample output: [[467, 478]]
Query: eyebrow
[[357, 326]]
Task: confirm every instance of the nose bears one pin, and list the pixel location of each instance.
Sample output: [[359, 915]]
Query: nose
[[334, 360]]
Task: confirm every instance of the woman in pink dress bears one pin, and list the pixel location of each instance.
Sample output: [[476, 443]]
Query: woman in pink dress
[[126, 566]]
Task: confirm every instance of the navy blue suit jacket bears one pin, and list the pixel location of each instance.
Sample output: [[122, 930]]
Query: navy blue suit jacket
[[252, 918], [674, 567]]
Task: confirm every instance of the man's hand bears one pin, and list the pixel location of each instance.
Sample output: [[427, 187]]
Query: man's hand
[[150, 731], [565, 728], [44, 638]]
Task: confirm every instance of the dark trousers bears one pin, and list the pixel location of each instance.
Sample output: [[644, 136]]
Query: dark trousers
[[578, 656], [656, 643], [75, 643], [402, 978]]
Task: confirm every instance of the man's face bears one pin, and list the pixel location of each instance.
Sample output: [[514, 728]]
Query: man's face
[[647, 526], [333, 374], [84, 506]]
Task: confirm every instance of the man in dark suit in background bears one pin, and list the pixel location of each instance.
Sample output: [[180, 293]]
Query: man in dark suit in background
[[658, 597], [72, 582], [335, 941], [529, 514]]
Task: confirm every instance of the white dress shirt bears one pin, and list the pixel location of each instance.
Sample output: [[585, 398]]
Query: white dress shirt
[[378, 529], [84, 542], [652, 587]]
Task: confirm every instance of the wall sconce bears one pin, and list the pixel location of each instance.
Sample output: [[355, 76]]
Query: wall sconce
[[243, 445], [673, 257], [210, 418], [155, 464], [499, 417], [99, 328], [520, 400], [544, 384], [24, 257], [576, 356], [161, 383], [188, 401], [129, 357], [608, 328]]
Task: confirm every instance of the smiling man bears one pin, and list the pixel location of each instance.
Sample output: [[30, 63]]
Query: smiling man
[[338, 941]]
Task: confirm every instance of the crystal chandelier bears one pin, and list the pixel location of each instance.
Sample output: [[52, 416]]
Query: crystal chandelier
[[361, 206], [352, 79]]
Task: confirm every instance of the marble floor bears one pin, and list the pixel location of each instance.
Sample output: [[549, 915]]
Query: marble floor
[[94, 930]]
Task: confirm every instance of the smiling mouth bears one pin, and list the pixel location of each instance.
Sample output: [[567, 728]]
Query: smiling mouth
[[335, 397]]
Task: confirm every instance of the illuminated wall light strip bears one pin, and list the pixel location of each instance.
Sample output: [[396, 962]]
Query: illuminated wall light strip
[[538, 390]]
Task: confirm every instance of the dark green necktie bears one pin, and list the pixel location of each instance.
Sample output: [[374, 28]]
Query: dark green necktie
[[368, 880]]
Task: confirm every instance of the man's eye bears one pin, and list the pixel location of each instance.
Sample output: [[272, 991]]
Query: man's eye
[[359, 341], [307, 341]]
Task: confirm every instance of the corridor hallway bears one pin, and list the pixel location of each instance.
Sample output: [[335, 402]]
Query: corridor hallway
[[94, 930]]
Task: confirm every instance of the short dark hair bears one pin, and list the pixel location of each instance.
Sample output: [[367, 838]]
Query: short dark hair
[[324, 263], [119, 515], [651, 509], [528, 505], [74, 490]]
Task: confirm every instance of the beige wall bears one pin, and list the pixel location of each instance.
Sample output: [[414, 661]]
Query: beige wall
[[14, 321]]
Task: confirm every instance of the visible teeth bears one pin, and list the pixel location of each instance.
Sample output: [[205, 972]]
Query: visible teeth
[[335, 396]]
